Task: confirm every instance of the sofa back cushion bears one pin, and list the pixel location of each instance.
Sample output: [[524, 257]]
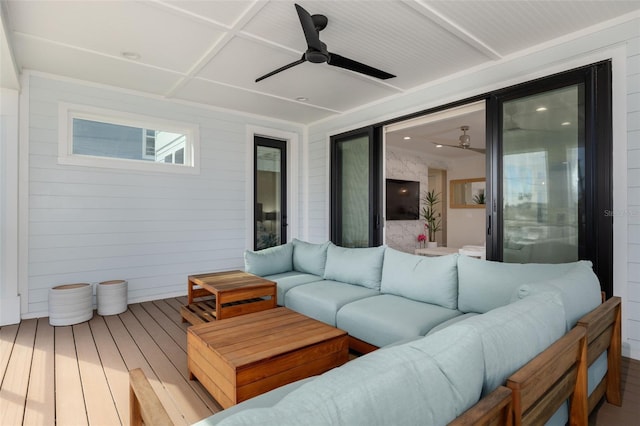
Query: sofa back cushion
[[514, 334], [359, 266], [309, 258], [425, 279], [485, 285], [579, 289], [270, 261], [426, 382]]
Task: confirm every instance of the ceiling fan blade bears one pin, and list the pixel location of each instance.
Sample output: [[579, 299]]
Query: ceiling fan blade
[[309, 28], [478, 150], [286, 67], [444, 144], [349, 64]]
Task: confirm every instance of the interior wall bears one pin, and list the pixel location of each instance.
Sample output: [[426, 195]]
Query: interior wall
[[407, 165], [467, 226], [152, 229], [620, 40]]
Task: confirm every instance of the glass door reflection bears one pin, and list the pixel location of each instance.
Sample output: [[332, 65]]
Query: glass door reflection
[[270, 193], [543, 176]]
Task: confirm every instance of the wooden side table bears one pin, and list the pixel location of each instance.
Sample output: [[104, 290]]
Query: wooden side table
[[220, 295]]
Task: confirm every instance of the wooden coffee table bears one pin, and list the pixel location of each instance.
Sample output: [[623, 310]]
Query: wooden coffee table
[[225, 295], [239, 358]]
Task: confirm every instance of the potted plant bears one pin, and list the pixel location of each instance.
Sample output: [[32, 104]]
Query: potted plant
[[431, 217], [479, 198]]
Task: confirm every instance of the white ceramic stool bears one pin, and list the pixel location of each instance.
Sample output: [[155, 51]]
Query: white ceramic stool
[[70, 304], [111, 297]]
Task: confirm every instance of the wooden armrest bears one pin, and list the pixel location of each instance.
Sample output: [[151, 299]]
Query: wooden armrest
[[144, 405], [558, 373], [492, 410], [604, 333]]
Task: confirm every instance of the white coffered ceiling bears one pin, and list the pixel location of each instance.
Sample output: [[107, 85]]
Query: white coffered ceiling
[[212, 51]]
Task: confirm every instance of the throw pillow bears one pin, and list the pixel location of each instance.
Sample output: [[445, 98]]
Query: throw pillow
[[425, 279], [359, 266], [309, 258], [270, 261]]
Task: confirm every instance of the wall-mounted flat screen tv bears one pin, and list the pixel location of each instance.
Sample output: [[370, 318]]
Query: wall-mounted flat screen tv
[[403, 199]]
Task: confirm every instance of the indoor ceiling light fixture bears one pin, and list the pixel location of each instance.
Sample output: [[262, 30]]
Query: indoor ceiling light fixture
[[406, 138], [540, 109], [465, 139], [131, 56], [565, 123], [438, 146]]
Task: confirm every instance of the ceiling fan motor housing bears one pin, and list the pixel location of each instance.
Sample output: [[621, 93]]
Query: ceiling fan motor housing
[[319, 21], [465, 139], [317, 57]]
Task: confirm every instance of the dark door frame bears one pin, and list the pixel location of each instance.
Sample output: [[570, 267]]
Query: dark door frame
[[282, 146], [596, 237], [374, 135], [599, 239]]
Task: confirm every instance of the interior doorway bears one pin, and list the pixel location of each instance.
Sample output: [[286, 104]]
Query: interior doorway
[[435, 149]]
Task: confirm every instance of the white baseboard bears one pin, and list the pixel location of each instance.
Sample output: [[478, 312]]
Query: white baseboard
[[43, 314]]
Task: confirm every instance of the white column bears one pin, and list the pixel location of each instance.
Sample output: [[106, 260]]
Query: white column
[[9, 297]]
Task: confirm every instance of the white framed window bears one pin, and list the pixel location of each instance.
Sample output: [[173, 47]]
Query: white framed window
[[97, 137]]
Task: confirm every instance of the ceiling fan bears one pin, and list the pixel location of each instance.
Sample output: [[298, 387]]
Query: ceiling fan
[[317, 51], [465, 142]]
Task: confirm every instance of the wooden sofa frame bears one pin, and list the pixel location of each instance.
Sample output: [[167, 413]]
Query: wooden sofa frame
[[604, 333], [531, 395], [536, 391]]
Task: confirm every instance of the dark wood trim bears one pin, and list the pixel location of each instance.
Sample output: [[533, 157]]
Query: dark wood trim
[[361, 346]]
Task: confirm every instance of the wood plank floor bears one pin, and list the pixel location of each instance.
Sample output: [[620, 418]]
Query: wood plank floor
[[78, 375]]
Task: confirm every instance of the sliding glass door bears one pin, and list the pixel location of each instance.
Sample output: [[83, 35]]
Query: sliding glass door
[[550, 168], [543, 188], [355, 189]]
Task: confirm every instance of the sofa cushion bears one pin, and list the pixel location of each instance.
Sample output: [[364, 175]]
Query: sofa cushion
[[484, 285], [288, 280], [579, 287], [452, 321], [267, 399], [384, 319], [514, 334], [321, 300], [270, 261], [425, 279], [430, 381], [359, 266], [309, 258]]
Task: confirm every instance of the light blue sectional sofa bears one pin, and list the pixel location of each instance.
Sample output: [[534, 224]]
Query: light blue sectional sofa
[[451, 330]]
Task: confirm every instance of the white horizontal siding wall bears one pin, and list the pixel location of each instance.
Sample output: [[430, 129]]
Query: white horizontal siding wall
[[153, 229], [620, 40], [633, 212]]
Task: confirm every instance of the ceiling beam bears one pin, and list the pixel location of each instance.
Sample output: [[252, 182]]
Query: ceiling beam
[[218, 45], [450, 26]]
